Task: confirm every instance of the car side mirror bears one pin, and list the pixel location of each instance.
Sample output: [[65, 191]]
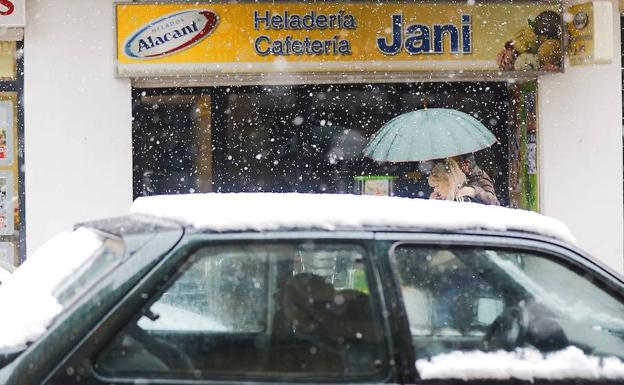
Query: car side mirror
[[7, 356]]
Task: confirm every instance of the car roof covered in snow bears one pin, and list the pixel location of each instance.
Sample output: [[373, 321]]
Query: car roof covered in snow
[[228, 212]]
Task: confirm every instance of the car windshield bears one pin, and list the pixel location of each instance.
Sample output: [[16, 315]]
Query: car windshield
[[511, 306], [55, 276]]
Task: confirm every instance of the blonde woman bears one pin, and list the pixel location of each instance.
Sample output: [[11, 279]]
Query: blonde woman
[[449, 183]]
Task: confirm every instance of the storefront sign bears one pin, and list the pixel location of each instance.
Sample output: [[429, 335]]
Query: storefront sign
[[591, 33], [171, 34], [12, 13], [202, 38]]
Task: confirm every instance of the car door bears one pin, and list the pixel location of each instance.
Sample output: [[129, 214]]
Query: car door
[[297, 311], [490, 309]]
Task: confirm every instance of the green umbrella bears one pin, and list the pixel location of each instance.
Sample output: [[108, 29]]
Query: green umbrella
[[427, 134]]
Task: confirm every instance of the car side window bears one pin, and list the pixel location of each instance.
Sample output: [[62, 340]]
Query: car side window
[[467, 299], [257, 312], [221, 294]]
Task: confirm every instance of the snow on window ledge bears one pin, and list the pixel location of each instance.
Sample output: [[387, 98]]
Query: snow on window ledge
[[523, 364]]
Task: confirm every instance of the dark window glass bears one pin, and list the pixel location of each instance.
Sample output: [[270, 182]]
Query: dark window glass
[[302, 138], [262, 311]]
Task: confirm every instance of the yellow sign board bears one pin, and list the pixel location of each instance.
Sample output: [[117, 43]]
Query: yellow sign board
[[591, 33], [208, 38]]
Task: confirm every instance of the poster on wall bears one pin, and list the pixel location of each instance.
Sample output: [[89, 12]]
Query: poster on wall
[[523, 154], [590, 32], [6, 132], [6, 203], [379, 185], [7, 252], [531, 137]]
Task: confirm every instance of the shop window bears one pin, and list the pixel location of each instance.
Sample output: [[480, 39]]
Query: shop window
[[309, 138]]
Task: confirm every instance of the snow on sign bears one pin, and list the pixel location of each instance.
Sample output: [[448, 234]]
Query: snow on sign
[[172, 33], [12, 13]]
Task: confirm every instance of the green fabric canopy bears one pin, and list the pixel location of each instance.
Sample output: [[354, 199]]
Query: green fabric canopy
[[427, 134]]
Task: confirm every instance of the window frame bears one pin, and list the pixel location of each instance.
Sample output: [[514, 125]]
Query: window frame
[[140, 297], [13, 89], [553, 250]]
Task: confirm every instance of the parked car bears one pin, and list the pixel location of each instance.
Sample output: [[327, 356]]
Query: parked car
[[295, 288]]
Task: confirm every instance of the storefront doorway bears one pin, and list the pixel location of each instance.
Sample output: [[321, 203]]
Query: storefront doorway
[[303, 138]]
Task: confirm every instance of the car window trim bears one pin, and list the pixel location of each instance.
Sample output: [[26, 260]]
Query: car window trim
[[283, 235], [401, 336], [557, 253], [197, 241]]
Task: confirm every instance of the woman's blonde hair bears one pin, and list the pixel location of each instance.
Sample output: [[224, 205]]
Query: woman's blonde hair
[[447, 171]]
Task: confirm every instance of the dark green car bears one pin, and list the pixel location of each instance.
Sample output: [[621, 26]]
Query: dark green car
[[164, 301]]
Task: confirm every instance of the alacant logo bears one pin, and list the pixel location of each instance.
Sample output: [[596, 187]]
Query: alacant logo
[[171, 34]]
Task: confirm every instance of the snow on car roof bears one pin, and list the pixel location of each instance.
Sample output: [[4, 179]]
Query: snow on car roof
[[278, 211]]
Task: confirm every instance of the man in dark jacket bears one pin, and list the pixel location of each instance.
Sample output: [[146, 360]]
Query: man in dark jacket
[[479, 185]]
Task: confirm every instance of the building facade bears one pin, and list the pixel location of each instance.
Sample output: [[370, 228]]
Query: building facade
[[104, 124]]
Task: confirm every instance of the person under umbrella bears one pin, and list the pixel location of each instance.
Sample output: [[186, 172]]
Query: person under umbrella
[[479, 185], [450, 183], [438, 133]]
